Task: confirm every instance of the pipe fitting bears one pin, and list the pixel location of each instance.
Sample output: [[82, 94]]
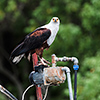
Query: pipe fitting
[[75, 60], [66, 69]]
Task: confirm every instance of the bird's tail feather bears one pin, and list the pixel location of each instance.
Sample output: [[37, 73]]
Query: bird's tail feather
[[17, 59], [18, 53], [18, 50]]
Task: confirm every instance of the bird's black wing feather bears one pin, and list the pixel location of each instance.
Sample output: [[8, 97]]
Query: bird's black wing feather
[[32, 41]]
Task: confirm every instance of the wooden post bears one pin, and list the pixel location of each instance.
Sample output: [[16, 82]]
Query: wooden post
[[38, 88]]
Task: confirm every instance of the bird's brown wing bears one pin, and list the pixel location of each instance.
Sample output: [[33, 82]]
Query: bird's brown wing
[[32, 41]]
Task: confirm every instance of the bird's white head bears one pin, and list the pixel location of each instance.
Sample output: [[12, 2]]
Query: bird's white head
[[55, 20]]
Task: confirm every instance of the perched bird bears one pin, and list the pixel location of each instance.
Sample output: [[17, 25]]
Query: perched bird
[[37, 41]]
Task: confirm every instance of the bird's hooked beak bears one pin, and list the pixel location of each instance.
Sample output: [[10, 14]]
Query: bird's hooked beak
[[55, 20]]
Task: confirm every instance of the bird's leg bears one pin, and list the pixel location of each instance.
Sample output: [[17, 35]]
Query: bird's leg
[[46, 61], [40, 53], [43, 62]]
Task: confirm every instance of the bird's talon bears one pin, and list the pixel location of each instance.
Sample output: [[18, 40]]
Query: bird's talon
[[47, 62]]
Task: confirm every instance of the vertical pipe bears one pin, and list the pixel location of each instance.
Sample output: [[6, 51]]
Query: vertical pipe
[[69, 81], [38, 88], [35, 60], [76, 67], [38, 92], [75, 86], [53, 60], [69, 85]]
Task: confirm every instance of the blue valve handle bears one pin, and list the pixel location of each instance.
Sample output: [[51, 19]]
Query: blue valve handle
[[76, 67]]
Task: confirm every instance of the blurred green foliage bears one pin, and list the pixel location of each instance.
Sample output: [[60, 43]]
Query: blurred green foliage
[[89, 82], [78, 36], [2, 97]]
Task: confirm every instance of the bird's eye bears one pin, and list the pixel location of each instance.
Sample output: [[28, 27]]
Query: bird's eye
[[57, 19], [53, 19]]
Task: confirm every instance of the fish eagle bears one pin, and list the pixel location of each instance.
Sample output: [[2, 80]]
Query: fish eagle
[[36, 41]]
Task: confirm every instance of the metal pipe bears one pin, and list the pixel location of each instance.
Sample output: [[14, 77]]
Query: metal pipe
[[69, 81], [64, 59], [38, 88], [75, 86], [75, 60], [53, 60], [76, 67], [7, 93]]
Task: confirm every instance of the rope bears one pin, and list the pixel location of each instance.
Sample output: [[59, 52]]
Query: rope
[[46, 93], [23, 95], [26, 91]]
